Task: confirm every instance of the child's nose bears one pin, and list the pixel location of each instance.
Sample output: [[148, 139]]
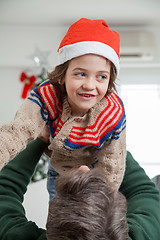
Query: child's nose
[[89, 83]]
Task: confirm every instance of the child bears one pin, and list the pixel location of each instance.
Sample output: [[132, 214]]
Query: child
[[85, 116]]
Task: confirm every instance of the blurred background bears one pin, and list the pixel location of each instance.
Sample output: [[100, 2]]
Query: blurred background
[[30, 32]]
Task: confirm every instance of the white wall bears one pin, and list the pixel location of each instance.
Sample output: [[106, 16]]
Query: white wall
[[17, 44], [140, 91]]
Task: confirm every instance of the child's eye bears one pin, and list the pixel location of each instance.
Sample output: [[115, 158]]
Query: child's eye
[[102, 77], [80, 74]]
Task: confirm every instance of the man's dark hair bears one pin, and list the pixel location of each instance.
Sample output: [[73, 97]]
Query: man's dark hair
[[85, 208]]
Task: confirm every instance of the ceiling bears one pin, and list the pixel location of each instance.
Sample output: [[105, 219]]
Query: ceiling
[[64, 12]]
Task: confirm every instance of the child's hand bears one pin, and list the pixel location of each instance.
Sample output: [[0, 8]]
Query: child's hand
[[45, 134]]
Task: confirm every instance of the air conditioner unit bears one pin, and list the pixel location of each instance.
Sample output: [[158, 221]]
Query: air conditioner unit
[[136, 47]]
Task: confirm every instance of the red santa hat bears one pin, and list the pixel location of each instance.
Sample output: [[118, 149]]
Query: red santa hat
[[90, 36]]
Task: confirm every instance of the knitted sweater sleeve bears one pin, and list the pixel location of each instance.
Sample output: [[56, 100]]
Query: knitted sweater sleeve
[[143, 199], [14, 179], [112, 156], [26, 126]]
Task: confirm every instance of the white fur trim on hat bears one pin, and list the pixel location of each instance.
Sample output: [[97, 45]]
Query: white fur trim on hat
[[81, 48]]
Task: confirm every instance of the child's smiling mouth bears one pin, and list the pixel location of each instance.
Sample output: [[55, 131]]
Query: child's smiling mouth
[[86, 96]]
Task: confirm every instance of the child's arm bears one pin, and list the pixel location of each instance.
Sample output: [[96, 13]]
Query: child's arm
[[26, 126], [112, 158]]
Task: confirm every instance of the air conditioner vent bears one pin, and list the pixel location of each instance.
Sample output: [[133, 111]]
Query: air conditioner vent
[[136, 46]]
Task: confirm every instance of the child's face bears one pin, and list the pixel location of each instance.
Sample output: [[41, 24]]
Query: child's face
[[86, 81]]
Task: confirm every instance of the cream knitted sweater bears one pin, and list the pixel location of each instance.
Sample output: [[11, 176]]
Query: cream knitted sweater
[[98, 136]]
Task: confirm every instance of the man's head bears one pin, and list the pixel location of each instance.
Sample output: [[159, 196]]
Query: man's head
[[86, 208]]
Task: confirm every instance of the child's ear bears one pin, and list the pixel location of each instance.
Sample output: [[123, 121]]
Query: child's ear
[[61, 81]]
